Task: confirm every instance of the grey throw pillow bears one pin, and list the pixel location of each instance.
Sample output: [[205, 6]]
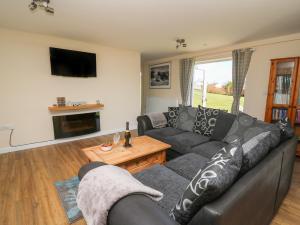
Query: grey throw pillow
[[246, 127], [255, 150], [172, 116], [205, 121], [209, 183], [186, 118]]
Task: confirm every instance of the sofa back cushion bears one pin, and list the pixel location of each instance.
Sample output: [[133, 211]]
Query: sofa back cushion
[[209, 183], [274, 132], [205, 120], [240, 127], [223, 125], [255, 150], [186, 118], [246, 127]]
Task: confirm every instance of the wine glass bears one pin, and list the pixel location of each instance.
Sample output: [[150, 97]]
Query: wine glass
[[116, 138]]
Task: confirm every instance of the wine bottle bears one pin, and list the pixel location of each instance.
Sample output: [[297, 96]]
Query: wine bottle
[[127, 136]]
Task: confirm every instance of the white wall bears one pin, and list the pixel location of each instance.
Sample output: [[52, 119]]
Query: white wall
[[258, 75], [256, 81], [27, 87], [157, 100]]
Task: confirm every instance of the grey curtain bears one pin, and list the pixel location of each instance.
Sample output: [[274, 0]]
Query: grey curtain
[[240, 63], [186, 80]]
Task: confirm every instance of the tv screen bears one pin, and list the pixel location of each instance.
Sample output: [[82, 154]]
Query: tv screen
[[72, 63]]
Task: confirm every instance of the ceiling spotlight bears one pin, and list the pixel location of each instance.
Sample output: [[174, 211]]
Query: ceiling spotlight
[[43, 4], [180, 43]]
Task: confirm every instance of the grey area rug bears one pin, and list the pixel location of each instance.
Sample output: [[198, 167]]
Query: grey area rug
[[67, 191]]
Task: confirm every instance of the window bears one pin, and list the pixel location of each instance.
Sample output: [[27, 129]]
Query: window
[[212, 85]]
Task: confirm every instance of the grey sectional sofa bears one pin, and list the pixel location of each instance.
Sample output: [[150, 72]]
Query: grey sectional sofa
[[184, 142], [252, 200]]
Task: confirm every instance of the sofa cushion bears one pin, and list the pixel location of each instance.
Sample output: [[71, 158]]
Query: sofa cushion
[[209, 183], [187, 165], [255, 150], [208, 149], [246, 127], [172, 116], [205, 120], [274, 131], [183, 142], [223, 125], [162, 133], [186, 118], [166, 181], [239, 128]]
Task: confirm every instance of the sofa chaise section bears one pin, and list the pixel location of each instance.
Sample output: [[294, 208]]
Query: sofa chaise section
[[252, 200], [165, 180]]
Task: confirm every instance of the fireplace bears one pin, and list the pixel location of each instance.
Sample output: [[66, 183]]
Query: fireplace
[[74, 125]]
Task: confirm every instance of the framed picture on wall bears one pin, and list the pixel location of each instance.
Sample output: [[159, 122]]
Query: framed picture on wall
[[160, 76]]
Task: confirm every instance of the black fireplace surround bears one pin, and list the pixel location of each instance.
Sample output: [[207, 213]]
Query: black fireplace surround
[[77, 124]]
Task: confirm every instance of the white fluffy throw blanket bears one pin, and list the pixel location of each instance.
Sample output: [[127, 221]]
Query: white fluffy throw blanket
[[158, 120], [100, 188]]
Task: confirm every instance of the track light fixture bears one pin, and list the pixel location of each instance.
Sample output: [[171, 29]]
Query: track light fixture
[[43, 4], [180, 43]]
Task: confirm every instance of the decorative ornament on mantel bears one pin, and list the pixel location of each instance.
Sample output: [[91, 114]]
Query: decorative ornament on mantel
[[42, 4]]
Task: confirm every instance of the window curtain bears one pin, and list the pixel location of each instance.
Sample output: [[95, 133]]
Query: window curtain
[[240, 63], [186, 80]]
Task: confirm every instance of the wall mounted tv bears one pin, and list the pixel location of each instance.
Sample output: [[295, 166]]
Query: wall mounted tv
[[72, 63]]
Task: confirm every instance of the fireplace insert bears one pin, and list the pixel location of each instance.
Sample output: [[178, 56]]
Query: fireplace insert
[[74, 125]]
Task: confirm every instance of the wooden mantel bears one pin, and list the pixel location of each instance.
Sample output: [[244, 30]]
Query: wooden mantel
[[75, 108]]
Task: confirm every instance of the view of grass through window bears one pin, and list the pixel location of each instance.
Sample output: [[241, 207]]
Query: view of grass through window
[[212, 85]]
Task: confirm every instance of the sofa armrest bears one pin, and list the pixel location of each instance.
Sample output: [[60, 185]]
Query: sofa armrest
[[138, 210], [87, 167], [135, 209], [144, 123]]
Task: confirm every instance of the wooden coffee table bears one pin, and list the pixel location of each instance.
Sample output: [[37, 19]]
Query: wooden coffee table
[[144, 153]]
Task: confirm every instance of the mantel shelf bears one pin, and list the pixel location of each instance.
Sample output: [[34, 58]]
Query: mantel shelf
[[75, 108]]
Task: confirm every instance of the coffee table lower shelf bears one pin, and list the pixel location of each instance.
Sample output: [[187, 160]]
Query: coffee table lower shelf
[[145, 162]]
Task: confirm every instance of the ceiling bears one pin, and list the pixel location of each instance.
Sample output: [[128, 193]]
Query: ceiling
[[152, 26]]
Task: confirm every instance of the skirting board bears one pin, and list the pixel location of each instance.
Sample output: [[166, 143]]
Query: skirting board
[[58, 141]]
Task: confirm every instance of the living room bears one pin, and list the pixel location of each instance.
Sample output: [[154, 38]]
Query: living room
[[86, 84]]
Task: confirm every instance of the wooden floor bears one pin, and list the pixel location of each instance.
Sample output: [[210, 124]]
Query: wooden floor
[[28, 196]]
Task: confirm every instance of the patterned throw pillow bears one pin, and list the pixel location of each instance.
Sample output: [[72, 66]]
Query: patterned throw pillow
[[255, 150], [205, 120], [172, 117], [186, 118], [286, 130], [209, 183]]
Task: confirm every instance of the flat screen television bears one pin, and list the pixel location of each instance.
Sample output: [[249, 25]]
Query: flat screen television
[[72, 63]]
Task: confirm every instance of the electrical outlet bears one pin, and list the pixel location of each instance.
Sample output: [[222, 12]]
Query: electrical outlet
[[7, 127]]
